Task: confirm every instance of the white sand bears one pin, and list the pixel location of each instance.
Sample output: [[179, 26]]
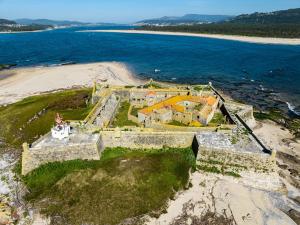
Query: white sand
[[25, 82], [261, 40], [248, 200], [276, 137]]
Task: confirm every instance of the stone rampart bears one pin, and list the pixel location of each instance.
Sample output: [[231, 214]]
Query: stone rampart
[[248, 160], [146, 140], [223, 148], [34, 157], [168, 127]]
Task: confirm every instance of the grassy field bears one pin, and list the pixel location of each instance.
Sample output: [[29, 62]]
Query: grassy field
[[134, 111], [28, 119], [124, 184], [177, 123], [217, 119], [121, 119]]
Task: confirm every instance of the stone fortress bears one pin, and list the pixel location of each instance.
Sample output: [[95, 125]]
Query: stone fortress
[[157, 115]]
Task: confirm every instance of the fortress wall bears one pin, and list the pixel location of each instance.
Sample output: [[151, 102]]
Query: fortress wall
[[167, 127], [32, 158], [256, 161], [146, 140], [244, 111], [124, 94]]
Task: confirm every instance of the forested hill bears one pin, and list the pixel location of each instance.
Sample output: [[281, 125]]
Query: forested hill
[[290, 16], [284, 24], [6, 22], [12, 26], [50, 22], [186, 19]]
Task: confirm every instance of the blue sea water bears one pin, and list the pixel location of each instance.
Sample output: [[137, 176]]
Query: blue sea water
[[264, 75]]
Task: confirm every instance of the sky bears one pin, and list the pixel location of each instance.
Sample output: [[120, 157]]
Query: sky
[[129, 11]]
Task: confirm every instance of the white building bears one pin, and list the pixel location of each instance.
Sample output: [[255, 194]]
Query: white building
[[61, 131]]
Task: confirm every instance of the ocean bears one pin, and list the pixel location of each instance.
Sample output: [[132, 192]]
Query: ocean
[[265, 75]]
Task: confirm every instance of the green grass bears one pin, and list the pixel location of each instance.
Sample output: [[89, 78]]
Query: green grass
[[199, 107], [177, 123], [272, 115], [202, 88], [218, 118], [153, 85], [292, 124], [217, 170], [123, 184], [134, 111], [121, 119], [220, 167], [20, 121]]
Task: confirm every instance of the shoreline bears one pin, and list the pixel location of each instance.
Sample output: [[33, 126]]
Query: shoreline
[[21, 32], [20, 83], [248, 39]]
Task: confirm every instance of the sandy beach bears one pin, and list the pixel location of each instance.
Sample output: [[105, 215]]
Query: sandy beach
[[260, 40], [17, 84]]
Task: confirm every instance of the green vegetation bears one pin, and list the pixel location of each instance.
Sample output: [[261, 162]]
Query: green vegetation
[[284, 24], [234, 140], [121, 119], [260, 30], [212, 166], [273, 115], [293, 124], [177, 123], [152, 84], [33, 27], [123, 184], [34, 116], [5, 22], [134, 111], [290, 16], [202, 88], [199, 107], [218, 119], [6, 66]]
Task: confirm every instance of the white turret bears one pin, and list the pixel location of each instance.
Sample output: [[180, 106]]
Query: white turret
[[61, 129]]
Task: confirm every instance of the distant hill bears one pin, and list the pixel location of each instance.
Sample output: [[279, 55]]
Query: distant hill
[[284, 24], [12, 26], [6, 22], [186, 19], [290, 16], [50, 22]]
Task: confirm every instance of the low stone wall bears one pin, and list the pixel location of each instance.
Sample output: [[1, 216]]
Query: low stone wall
[[167, 127], [146, 140], [32, 158], [244, 111], [258, 162]]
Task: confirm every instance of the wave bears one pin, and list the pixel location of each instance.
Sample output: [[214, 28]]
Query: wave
[[292, 108]]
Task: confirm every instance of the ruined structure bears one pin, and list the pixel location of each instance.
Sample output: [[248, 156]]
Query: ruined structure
[[162, 115]]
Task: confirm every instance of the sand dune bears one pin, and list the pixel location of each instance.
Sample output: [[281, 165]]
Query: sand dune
[[261, 40], [20, 83]]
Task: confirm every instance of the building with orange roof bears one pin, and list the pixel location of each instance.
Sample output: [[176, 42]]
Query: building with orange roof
[[181, 108]]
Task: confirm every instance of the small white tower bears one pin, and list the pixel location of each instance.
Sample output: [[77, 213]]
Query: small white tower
[[61, 129]]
